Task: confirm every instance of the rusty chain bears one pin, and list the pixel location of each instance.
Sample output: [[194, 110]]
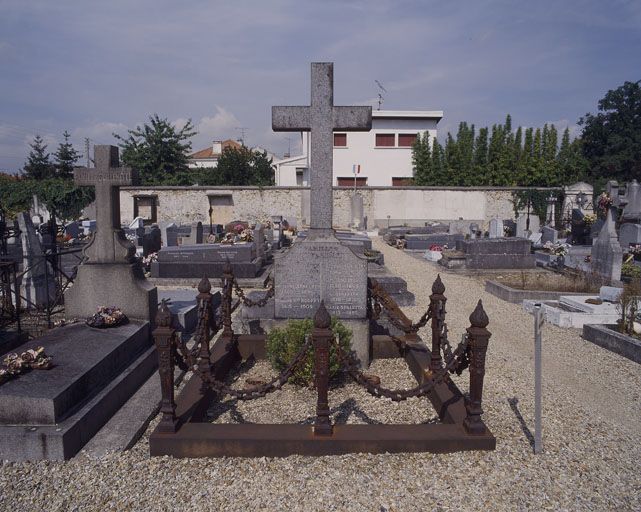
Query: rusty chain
[[381, 299], [260, 391], [254, 303], [350, 364]]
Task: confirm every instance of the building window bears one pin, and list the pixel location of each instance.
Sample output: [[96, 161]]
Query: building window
[[349, 181], [406, 139], [385, 140], [402, 182], [340, 140], [147, 208], [299, 178]]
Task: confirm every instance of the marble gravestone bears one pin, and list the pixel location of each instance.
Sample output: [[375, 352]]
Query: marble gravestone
[[110, 274], [606, 254], [496, 228], [37, 283], [320, 267], [522, 225]]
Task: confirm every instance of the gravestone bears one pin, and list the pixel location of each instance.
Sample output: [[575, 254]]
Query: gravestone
[[72, 229], [110, 275], [305, 207], [277, 231], [579, 195], [151, 242], [632, 198], [629, 234], [550, 213], [474, 230], [606, 254], [357, 211], [37, 284], [549, 234], [88, 226], [197, 233], [522, 228], [258, 234], [496, 228], [169, 234], [320, 267]]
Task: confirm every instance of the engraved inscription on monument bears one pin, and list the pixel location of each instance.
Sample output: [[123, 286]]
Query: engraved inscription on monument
[[321, 270]]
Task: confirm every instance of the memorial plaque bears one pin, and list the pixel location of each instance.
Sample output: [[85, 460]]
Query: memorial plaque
[[321, 270], [210, 252]]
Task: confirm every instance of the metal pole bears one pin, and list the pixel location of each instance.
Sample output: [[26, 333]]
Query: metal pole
[[538, 325]]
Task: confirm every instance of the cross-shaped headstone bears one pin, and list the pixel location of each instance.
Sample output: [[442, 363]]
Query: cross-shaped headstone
[[109, 244], [321, 118]]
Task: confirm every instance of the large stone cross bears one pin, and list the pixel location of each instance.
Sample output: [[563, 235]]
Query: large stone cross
[[321, 118], [109, 244]]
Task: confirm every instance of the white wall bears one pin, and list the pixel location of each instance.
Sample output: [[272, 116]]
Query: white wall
[[411, 205]]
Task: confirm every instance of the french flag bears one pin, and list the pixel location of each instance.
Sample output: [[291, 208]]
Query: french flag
[[356, 169]]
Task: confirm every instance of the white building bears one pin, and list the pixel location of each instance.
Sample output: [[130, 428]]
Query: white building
[[208, 157], [384, 153]]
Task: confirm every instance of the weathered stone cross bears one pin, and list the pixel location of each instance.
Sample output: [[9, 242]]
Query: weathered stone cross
[[321, 118], [109, 244]]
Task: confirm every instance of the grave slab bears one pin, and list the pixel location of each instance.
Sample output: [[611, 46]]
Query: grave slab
[[51, 414]]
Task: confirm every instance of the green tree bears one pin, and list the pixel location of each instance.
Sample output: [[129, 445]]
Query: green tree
[[239, 167], [438, 164], [421, 160], [38, 165], [65, 157], [158, 151], [611, 139], [480, 156]]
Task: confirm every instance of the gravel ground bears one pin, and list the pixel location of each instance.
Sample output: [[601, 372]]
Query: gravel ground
[[591, 439], [349, 403]]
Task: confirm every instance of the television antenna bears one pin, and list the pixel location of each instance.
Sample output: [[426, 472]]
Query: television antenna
[[242, 130], [289, 146], [380, 96]]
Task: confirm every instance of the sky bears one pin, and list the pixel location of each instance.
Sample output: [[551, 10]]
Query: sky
[[94, 68]]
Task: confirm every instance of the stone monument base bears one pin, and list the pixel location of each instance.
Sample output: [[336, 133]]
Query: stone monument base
[[122, 285]]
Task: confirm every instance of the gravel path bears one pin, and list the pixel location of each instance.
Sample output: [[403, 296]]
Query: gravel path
[[591, 439]]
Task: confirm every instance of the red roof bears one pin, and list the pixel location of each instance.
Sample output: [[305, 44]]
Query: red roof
[[209, 151]]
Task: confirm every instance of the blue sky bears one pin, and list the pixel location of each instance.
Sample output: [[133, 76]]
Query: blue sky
[[98, 67]]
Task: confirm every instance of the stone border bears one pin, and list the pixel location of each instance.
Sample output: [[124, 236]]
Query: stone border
[[605, 336], [516, 296]]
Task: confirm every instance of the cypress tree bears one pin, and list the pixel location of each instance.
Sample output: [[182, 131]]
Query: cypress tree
[[480, 157], [421, 160], [438, 164]]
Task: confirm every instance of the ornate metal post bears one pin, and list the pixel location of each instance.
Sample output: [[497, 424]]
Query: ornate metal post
[[479, 337], [164, 339], [204, 299], [321, 335], [437, 306], [228, 287]]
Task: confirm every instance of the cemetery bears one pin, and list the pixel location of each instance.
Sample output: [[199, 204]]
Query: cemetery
[[302, 336]]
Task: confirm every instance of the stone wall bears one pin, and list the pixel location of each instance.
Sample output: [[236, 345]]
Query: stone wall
[[403, 205]]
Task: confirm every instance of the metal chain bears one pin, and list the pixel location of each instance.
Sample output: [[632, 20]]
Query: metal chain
[[254, 392], [252, 303], [380, 299], [350, 364]]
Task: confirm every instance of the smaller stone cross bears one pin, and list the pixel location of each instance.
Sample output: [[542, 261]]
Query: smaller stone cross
[[321, 118], [109, 244]]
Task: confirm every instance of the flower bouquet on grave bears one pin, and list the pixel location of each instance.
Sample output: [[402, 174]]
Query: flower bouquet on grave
[[32, 359], [603, 203], [147, 260], [107, 317], [589, 218], [635, 251], [436, 247], [228, 239], [211, 238], [246, 235]]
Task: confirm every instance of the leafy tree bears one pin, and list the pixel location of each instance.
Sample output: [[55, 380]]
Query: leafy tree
[[239, 167], [612, 137], [158, 151], [38, 165], [65, 157]]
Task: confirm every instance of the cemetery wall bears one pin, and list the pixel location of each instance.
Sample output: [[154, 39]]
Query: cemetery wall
[[407, 204]]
